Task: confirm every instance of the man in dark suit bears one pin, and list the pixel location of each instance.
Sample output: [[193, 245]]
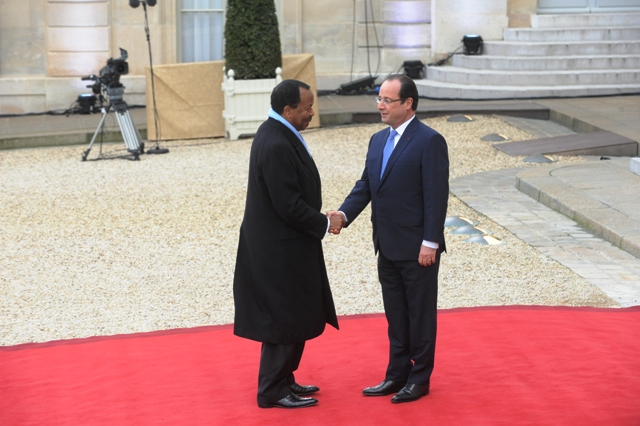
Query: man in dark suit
[[406, 179], [281, 290]]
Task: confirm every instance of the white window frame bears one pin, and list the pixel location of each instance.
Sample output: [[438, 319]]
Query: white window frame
[[181, 35]]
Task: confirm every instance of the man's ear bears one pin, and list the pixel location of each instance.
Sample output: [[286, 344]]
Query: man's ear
[[409, 103], [286, 112]]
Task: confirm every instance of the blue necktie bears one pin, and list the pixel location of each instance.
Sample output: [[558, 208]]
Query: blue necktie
[[388, 149]]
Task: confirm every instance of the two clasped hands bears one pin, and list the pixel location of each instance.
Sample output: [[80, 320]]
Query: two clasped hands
[[336, 221]]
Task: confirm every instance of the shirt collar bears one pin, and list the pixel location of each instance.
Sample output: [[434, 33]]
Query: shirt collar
[[401, 128], [281, 119]]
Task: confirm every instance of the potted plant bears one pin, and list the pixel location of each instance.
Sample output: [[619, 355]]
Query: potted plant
[[253, 64]]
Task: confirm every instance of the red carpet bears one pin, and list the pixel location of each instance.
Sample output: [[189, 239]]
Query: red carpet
[[494, 366]]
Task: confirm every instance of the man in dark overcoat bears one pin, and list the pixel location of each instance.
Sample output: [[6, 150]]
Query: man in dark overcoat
[[281, 290]]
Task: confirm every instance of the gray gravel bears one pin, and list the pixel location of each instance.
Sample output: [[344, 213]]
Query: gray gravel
[[115, 246]]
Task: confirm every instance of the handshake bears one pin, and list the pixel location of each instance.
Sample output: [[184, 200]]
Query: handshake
[[336, 221]]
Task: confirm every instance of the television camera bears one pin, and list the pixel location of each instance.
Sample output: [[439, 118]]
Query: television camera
[[108, 80], [107, 87]]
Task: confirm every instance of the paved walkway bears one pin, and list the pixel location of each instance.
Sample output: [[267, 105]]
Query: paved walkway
[[606, 266]]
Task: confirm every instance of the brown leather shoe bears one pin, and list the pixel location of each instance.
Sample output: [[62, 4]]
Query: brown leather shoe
[[385, 388], [410, 392]]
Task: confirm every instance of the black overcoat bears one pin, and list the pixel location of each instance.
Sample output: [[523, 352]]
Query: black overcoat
[[280, 287]]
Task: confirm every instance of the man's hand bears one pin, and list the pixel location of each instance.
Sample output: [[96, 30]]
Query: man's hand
[[427, 256], [336, 222]]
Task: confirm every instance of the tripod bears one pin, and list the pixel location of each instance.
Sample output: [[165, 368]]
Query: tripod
[[130, 133]]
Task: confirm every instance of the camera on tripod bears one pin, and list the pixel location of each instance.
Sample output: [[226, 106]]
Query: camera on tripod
[[107, 87], [107, 81]]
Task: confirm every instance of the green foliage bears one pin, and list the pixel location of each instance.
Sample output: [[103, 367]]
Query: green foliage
[[252, 39]]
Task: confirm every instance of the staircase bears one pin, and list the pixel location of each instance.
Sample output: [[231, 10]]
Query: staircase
[[559, 56]]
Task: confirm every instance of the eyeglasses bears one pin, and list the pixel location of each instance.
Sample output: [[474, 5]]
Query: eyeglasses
[[388, 101]]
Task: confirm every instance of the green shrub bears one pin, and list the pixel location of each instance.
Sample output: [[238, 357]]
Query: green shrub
[[252, 39]]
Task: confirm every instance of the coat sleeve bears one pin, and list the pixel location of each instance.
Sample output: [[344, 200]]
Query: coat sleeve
[[292, 194], [360, 195], [435, 181]]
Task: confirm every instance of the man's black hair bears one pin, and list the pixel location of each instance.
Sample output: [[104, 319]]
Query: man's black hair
[[287, 93], [408, 89]]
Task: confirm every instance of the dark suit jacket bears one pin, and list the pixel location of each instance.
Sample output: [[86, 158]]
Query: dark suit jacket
[[281, 290], [409, 203]]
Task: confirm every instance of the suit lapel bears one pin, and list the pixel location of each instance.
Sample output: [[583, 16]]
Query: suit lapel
[[404, 141], [303, 154]]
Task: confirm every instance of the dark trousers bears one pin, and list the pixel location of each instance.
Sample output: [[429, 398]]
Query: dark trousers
[[277, 364], [410, 296]]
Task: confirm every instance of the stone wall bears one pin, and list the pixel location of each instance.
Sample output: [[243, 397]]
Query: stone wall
[[356, 38], [455, 18], [47, 45], [22, 38]]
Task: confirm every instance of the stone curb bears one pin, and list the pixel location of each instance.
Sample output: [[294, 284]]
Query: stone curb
[[62, 139], [600, 219]]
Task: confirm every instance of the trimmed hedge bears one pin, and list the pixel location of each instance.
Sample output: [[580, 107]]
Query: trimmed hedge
[[252, 39]]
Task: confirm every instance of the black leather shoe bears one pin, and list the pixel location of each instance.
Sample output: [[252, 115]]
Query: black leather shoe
[[303, 390], [291, 401], [385, 388], [410, 393]]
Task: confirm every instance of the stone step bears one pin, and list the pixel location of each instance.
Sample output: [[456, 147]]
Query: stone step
[[572, 34], [597, 48], [440, 90], [560, 56], [586, 20], [550, 63], [595, 143], [456, 75]]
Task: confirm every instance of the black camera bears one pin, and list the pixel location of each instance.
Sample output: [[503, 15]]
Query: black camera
[[115, 67], [109, 75]]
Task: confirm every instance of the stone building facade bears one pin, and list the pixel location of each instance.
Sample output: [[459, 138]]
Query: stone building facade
[[46, 46]]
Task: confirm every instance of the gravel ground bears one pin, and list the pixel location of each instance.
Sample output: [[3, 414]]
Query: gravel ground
[[114, 246]]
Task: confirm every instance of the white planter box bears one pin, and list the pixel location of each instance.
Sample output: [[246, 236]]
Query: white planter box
[[246, 103], [634, 166]]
